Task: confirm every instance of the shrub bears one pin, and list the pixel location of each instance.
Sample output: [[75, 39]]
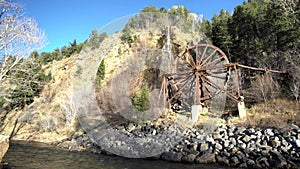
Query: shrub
[[141, 99]]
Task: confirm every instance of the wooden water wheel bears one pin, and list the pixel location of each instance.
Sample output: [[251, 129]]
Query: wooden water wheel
[[200, 74]]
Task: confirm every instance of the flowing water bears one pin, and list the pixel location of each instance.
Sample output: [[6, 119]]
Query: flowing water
[[26, 155]]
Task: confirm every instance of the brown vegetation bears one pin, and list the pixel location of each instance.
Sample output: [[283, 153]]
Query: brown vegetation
[[277, 113]]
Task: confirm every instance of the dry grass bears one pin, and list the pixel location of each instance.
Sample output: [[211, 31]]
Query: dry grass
[[277, 113]]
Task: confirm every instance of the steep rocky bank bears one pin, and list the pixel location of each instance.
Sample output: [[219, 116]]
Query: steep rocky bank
[[226, 145]]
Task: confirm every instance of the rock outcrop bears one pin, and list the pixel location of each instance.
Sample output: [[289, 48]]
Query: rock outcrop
[[4, 145]]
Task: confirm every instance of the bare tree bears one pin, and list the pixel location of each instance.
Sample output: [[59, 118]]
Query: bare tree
[[19, 35], [293, 68], [263, 88]]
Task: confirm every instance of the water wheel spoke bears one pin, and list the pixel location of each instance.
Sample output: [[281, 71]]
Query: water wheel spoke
[[191, 86], [184, 79], [215, 62], [219, 69], [201, 72], [220, 89], [182, 73], [173, 97], [185, 103], [204, 52], [198, 59], [186, 83], [206, 59], [213, 84]]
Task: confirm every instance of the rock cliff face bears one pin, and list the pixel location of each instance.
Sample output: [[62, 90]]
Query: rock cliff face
[[4, 144], [51, 118]]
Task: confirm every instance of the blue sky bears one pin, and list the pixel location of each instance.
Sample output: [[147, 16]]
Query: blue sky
[[66, 20]]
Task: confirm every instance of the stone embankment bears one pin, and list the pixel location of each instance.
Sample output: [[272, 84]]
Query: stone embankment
[[227, 145], [240, 147]]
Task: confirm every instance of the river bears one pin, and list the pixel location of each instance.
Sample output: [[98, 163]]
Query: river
[[28, 155]]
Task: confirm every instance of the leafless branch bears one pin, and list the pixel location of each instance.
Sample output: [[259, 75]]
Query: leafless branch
[[19, 35]]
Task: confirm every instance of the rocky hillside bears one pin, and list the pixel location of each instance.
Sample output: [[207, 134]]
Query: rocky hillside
[[51, 118]]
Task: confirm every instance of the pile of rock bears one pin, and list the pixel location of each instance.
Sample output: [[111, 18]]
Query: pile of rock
[[227, 145], [240, 147]]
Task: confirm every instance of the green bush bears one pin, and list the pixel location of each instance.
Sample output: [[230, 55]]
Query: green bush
[[141, 99], [100, 73]]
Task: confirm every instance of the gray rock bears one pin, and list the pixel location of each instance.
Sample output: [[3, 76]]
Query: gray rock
[[240, 130], [253, 137], [265, 153], [216, 136], [194, 146], [222, 160], [258, 134], [232, 140], [251, 130], [286, 134], [240, 155], [189, 158], [230, 134], [284, 149], [250, 162], [130, 127], [246, 139], [226, 153], [218, 146], [242, 145], [263, 162], [243, 165], [284, 143], [234, 161], [234, 150], [206, 158], [226, 143], [269, 132], [297, 143], [171, 156], [275, 143], [210, 139], [278, 160], [295, 127], [204, 147]]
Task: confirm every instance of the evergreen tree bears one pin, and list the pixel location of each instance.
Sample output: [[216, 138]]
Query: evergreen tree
[[206, 27], [220, 31], [95, 38], [141, 99]]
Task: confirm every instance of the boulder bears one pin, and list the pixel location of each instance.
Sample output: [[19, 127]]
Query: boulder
[[297, 143], [206, 158], [234, 161], [222, 160], [246, 139], [204, 147], [278, 160], [189, 158], [171, 156]]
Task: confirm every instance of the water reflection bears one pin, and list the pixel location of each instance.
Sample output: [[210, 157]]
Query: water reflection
[[40, 156]]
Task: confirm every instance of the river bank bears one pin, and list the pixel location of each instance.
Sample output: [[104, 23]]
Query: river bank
[[32, 155], [227, 145]]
